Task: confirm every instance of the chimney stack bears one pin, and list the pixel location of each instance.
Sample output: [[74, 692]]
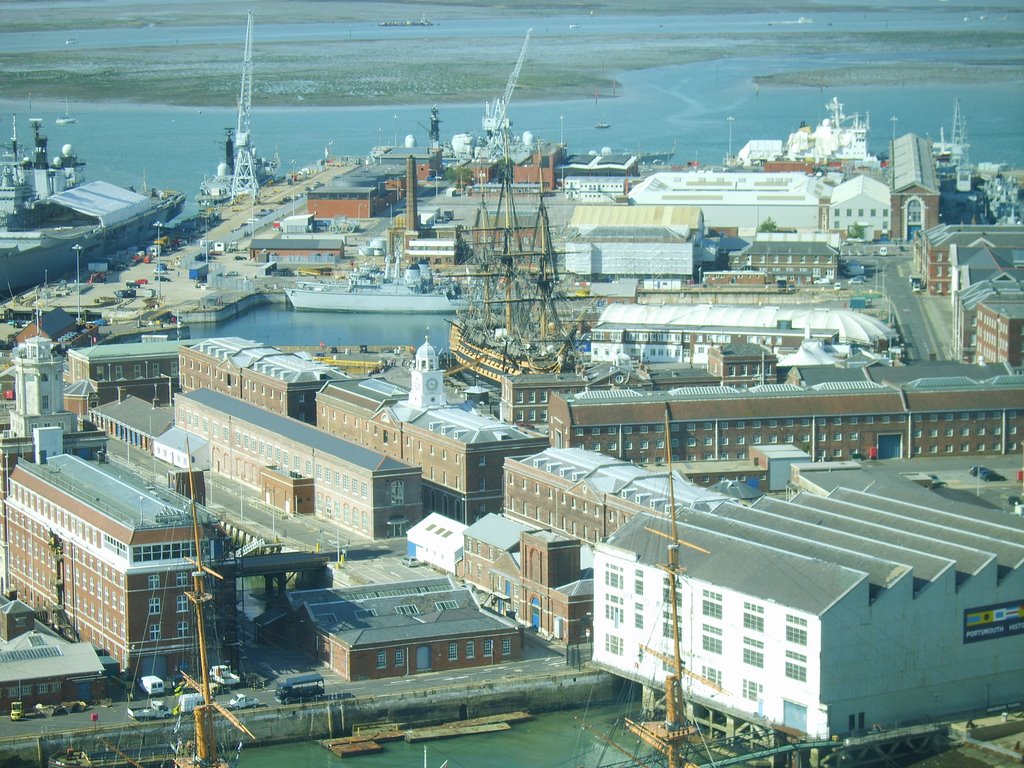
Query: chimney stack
[[412, 217]]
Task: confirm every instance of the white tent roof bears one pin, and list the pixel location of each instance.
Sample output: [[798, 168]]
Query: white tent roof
[[110, 204], [851, 326], [810, 353]]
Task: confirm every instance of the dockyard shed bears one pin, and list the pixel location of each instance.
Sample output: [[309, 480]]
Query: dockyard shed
[[826, 614], [437, 540], [624, 240], [377, 631], [37, 666]]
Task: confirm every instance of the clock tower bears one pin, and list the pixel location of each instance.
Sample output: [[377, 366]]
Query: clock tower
[[427, 379]]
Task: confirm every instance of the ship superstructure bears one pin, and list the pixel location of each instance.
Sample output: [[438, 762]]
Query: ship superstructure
[[50, 218], [839, 137]]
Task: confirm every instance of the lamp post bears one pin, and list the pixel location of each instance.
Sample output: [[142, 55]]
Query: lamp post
[[730, 121], [159, 241], [78, 280], [170, 391]]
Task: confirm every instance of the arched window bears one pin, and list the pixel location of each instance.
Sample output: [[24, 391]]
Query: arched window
[[915, 213]]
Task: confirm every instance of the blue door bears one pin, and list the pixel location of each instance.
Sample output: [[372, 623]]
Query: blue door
[[423, 658], [535, 613], [890, 446], [794, 715]]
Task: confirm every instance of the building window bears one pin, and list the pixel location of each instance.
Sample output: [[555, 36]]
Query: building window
[[753, 617], [613, 645], [506, 647], [382, 659], [182, 629], [638, 616], [712, 675], [712, 604], [796, 630], [488, 648], [796, 668], [752, 690], [712, 640], [154, 632], [181, 604], [471, 649], [181, 579], [399, 657], [453, 651], [154, 606], [153, 580], [753, 652]]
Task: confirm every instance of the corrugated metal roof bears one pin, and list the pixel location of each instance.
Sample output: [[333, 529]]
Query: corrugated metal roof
[[655, 216]]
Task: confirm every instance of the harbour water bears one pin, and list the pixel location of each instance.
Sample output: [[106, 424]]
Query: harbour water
[[685, 106], [555, 740], [280, 326]]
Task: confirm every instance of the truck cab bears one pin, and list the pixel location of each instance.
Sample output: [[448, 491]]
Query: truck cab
[[17, 710]]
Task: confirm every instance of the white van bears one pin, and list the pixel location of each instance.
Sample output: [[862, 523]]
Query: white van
[[152, 685], [187, 702]]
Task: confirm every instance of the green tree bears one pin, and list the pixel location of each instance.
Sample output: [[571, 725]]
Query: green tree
[[768, 225], [855, 232], [459, 175]]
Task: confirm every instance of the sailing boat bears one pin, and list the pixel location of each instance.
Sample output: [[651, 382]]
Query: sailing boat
[[67, 119], [600, 123], [202, 752]]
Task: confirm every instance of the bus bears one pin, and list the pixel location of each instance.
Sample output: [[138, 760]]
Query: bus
[[299, 688]]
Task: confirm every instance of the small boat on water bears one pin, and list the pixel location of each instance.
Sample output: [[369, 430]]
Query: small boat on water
[[67, 119], [602, 124], [423, 22]]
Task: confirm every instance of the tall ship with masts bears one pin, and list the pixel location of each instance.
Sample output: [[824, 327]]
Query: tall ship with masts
[[513, 319]]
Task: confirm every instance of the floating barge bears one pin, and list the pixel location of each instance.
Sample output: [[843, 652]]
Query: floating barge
[[369, 741]]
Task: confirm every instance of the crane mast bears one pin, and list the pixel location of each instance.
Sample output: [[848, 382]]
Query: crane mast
[[495, 122], [244, 181]]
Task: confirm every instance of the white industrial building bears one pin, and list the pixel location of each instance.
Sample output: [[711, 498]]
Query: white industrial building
[[630, 241], [437, 540], [864, 201], [742, 201], [680, 333], [827, 614]]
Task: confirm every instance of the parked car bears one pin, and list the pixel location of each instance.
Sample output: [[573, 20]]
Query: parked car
[[411, 562], [1013, 501], [241, 701], [975, 469], [163, 279], [989, 475], [857, 280]]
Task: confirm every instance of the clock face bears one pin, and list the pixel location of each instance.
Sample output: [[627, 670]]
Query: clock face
[[431, 384]]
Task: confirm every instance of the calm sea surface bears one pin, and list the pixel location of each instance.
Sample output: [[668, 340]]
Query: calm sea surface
[[557, 740], [681, 106]]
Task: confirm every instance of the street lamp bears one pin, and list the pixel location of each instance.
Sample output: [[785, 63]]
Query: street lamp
[[730, 121], [170, 391], [78, 279], [159, 242]]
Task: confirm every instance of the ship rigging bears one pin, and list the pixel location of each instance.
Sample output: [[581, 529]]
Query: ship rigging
[[511, 323]]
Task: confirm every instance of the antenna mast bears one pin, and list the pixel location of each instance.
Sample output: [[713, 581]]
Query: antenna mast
[[244, 181]]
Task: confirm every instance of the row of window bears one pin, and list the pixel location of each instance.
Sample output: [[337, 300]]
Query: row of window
[[400, 659]]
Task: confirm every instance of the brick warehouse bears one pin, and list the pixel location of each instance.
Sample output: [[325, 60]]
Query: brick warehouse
[[378, 631], [121, 549], [834, 420]]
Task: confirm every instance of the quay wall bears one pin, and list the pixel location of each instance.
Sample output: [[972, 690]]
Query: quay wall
[[230, 310], [339, 716]]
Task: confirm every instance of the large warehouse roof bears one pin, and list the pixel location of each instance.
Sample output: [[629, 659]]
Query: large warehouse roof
[[852, 327]]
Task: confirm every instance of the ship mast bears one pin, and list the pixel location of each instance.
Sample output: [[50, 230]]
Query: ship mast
[[667, 737], [205, 755]]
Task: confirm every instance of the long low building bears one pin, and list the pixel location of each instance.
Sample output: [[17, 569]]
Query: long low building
[[742, 201], [681, 333], [300, 469], [824, 614], [940, 416]]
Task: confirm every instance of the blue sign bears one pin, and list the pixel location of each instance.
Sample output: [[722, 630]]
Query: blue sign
[[992, 621]]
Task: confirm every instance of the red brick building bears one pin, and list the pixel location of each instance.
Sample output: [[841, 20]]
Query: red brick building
[[278, 382], [120, 552], [379, 631], [1000, 333], [914, 186]]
